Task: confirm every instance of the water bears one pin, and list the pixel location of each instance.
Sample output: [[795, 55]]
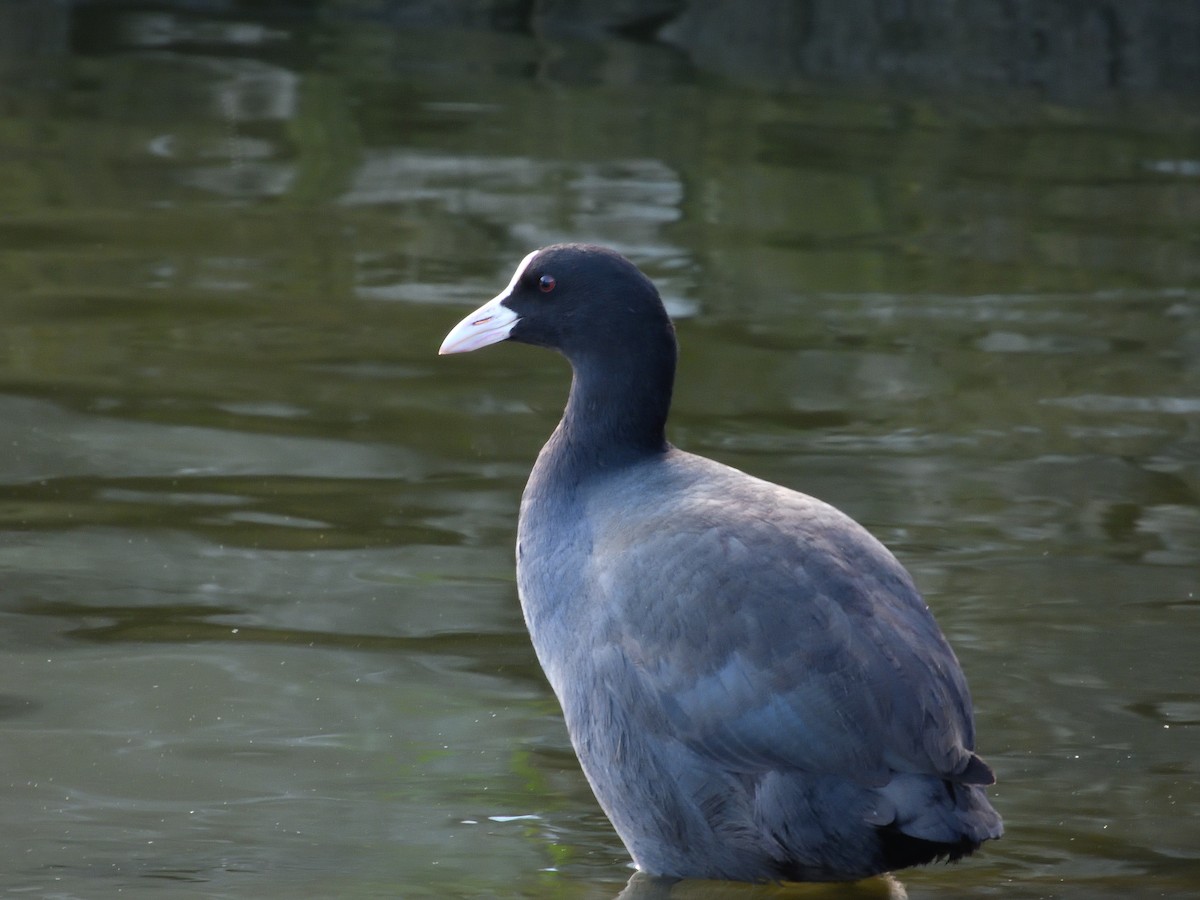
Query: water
[[259, 630]]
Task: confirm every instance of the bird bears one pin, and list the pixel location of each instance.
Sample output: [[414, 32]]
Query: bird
[[753, 685]]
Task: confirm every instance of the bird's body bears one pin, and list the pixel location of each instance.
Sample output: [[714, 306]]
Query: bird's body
[[752, 683]]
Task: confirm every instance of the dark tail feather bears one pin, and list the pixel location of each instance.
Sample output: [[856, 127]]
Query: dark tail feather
[[901, 850]]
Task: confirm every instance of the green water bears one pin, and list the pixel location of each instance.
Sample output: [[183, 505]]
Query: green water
[[258, 629]]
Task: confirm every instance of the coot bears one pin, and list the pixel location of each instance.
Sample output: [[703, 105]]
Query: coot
[[753, 685]]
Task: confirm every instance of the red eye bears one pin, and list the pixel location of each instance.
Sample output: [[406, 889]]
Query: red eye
[[546, 284]]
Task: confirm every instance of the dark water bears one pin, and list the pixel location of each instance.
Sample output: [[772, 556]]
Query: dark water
[[258, 629]]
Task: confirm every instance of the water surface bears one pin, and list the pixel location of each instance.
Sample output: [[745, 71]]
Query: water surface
[[259, 630]]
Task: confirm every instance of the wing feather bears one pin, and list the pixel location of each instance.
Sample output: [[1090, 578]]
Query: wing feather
[[863, 686]]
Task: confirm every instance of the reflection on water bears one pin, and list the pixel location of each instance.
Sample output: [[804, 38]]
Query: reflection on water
[[260, 635], [642, 887]]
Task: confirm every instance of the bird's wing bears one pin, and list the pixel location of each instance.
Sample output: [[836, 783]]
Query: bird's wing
[[775, 633]]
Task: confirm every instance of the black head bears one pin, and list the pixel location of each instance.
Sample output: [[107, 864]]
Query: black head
[[582, 300], [605, 316]]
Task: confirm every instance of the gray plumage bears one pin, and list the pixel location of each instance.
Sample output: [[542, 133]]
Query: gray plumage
[[753, 685]]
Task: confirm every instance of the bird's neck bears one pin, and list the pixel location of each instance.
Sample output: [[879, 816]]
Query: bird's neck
[[616, 413]]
